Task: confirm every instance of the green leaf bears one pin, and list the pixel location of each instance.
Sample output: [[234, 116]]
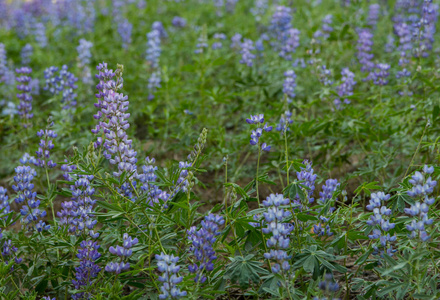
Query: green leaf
[[244, 270]]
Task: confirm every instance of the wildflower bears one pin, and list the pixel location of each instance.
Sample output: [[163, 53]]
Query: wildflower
[[324, 75], [364, 47], [280, 230], [26, 53], [218, 37], [84, 57], [289, 85], [87, 269], [153, 48], [166, 264], [8, 250], [307, 176], [345, 88], [64, 83], [236, 41], [373, 14], [285, 120], [124, 30], [25, 106], [325, 30], [124, 252], [247, 57], [328, 287], [330, 187], [30, 212], [178, 22], [46, 144], [379, 76], [4, 203], [40, 34], [202, 242]]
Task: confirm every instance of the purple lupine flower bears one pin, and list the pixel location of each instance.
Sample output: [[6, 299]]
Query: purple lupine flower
[[154, 82], [167, 265], [280, 24], [84, 57], [308, 177], [30, 212], [64, 83], [124, 252], [78, 214], [48, 298], [389, 46], [322, 228], [114, 106], [178, 22], [289, 85], [147, 180], [379, 76], [290, 44], [236, 41], [124, 30], [153, 48], [285, 120], [328, 286], [345, 88], [25, 106], [259, 9], [87, 269], [218, 37], [3, 63], [326, 29], [40, 34], [325, 75], [4, 203], [247, 57], [280, 229], [157, 25], [202, 242], [380, 220], [258, 132], [328, 189], [425, 29], [373, 14], [202, 43], [26, 53], [364, 47], [45, 145], [68, 168], [8, 250]]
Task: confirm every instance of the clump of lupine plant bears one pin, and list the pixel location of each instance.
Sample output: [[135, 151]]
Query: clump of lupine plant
[[209, 225], [63, 84]]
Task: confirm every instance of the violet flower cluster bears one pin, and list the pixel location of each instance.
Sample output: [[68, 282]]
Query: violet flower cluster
[[64, 83], [124, 30], [329, 287], [257, 133], [275, 218], [84, 57], [364, 47], [202, 43], [380, 221], [25, 54], [147, 180], [373, 14], [325, 75], [422, 187], [112, 116], [289, 85], [8, 250], [345, 88], [45, 145], [24, 95], [31, 214], [247, 55], [307, 178], [153, 48], [78, 214], [202, 242], [285, 120], [380, 74], [328, 189], [259, 9], [167, 265], [279, 28], [124, 252], [3, 63], [326, 28], [4, 202], [178, 22], [218, 38], [236, 41], [40, 34], [87, 269]]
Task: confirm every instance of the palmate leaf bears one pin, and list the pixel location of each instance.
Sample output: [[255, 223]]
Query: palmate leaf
[[244, 270]]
